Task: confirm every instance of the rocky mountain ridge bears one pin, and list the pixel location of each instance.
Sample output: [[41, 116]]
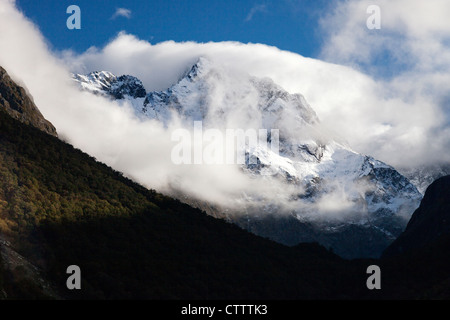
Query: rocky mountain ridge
[[18, 104]]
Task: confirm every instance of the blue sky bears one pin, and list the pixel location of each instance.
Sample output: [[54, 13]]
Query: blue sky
[[287, 24]]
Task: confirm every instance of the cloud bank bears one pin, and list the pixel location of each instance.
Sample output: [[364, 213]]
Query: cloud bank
[[109, 130], [410, 57], [401, 121]]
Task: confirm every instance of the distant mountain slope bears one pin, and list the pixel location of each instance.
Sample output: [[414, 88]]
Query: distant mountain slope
[[16, 102], [423, 176]]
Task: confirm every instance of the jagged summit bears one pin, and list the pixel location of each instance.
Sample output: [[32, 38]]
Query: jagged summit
[[107, 84], [200, 67], [214, 93]]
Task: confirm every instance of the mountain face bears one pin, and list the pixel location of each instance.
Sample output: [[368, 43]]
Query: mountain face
[[423, 176], [18, 104], [429, 222], [329, 193]]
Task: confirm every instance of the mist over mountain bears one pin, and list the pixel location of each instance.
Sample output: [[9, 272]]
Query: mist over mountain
[[117, 159], [59, 206], [423, 176], [395, 123], [316, 183]]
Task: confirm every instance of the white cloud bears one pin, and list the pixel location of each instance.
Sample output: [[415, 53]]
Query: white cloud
[[109, 130], [121, 12], [400, 121], [396, 121], [254, 10], [410, 57]]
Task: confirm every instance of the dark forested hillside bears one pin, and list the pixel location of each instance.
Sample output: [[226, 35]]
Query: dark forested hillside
[[59, 207]]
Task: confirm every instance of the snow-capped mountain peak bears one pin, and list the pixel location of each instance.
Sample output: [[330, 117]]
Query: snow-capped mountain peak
[[96, 82], [107, 84], [321, 173]]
